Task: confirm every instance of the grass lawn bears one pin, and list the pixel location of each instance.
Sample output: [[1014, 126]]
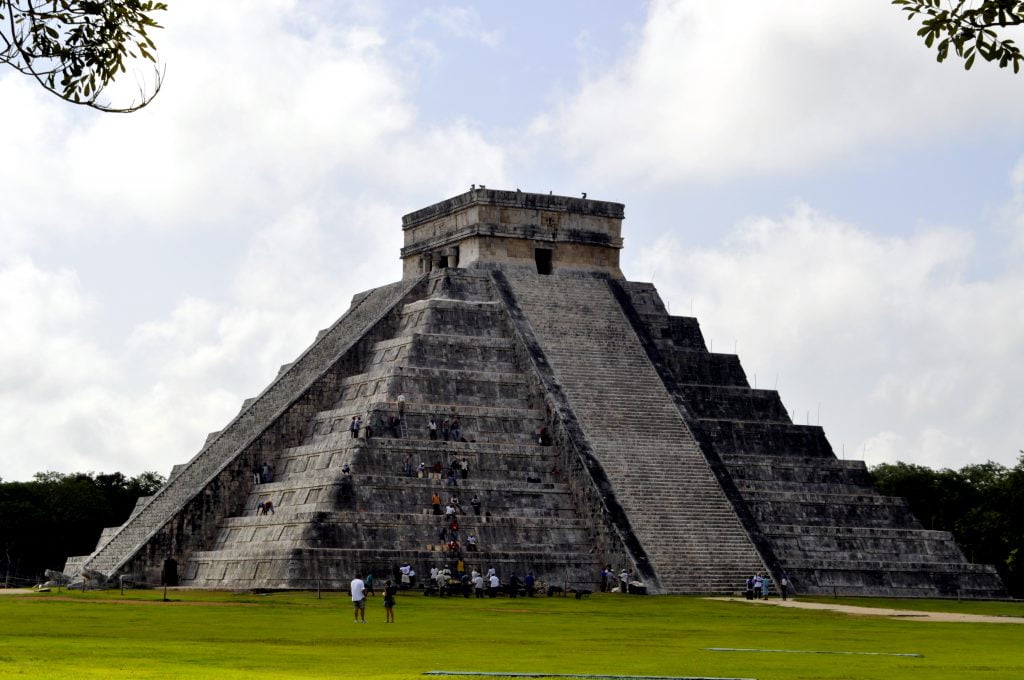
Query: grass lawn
[[295, 635]]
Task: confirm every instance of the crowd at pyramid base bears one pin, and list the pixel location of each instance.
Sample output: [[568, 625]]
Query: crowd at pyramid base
[[594, 430]]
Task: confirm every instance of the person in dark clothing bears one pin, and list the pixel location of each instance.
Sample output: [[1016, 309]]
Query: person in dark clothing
[[390, 590]]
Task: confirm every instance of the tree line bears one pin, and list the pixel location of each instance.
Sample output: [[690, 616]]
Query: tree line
[[55, 515], [982, 505]]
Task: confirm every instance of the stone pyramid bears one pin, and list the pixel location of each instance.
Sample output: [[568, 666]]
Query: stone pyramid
[[513, 316]]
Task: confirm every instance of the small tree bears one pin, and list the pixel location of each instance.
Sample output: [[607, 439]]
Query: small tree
[[75, 49]]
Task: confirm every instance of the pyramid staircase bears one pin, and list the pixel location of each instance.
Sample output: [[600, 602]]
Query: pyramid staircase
[[451, 356]]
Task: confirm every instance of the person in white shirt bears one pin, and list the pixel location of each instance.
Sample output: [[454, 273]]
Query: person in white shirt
[[478, 584], [495, 583], [358, 589]]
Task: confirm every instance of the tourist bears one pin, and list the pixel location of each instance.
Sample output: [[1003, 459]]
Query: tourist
[[766, 584], [758, 582], [259, 508], [513, 586], [478, 585], [408, 465], [432, 428], [471, 543], [390, 590], [421, 471], [748, 588], [449, 512], [456, 430], [606, 578], [495, 583], [394, 427], [406, 571], [436, 472], [435, 502], [266, 474], [353, 427], [457, 505], [784, 586], [451, 481], [475, 502], [256, 475], [357, 588], [368, 581], [529, 583], [624, 582], [268, 507], [464, 468], [446, 429]]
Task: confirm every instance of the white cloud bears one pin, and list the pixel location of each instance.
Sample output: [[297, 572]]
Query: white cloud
[[716, 90], [288, 146], [906, 357], [464, 22]]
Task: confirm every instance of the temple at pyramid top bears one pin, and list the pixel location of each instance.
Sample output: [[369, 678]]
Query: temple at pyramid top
[[501, 229]]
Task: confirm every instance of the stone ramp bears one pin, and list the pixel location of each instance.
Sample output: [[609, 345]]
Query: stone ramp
[[675, 505]]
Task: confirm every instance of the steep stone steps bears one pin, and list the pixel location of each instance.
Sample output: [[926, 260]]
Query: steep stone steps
[[646, 450]]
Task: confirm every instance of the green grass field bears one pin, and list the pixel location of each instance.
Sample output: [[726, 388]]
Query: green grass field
[[295, 635]]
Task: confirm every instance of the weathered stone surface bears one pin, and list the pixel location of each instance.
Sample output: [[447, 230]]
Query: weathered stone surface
[[513, 316]]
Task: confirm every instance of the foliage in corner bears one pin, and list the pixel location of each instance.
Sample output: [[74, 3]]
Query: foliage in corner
[[980, 504], [55, 515], [76, 48], [969, 29]]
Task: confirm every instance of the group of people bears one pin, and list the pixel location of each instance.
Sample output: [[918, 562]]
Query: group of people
[[609, 579], [450, 430], [360, 589], [262, 474], [356, 425], [481, 584], [454, 506], [757, 587]]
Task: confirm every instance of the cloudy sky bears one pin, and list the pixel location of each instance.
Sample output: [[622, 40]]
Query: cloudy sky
[[800, 175]]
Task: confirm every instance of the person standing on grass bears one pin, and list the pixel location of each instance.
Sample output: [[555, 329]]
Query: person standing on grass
[[358, 588], [390, 590], [784, 585], [478, 584]]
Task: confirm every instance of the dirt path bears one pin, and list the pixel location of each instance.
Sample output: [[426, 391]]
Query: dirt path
[[910, 614]]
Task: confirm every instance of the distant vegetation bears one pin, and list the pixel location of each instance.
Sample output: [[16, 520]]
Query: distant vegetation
[[982, 505], [56, 515]]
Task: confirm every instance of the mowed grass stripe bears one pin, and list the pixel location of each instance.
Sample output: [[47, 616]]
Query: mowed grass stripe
[[294, 635]]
